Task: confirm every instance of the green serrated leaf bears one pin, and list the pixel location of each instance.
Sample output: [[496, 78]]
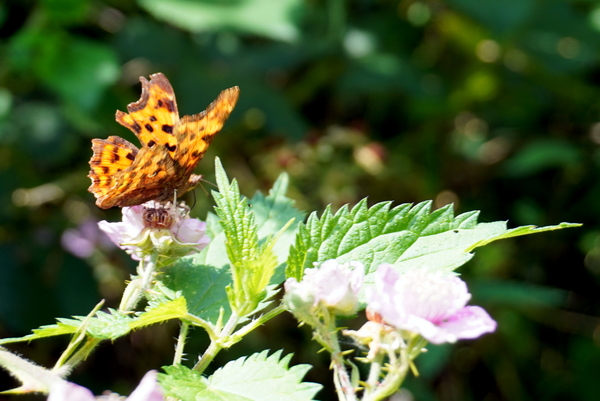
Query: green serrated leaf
[[202, 285], [183, 383], [51, 330], [257, 377], [252, 263], [175, 309], [102, 326], [407, 237], [272, 213], [109, 326], [202, 278]]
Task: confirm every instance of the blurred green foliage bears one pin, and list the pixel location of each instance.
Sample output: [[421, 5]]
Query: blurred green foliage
[[492, 105]]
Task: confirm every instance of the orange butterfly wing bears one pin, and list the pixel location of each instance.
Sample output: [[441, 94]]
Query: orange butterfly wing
[[171, 149], [153, 117], [195, 133]]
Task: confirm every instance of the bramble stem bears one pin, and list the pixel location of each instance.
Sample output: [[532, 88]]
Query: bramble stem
[[217, 345], [181, 342]]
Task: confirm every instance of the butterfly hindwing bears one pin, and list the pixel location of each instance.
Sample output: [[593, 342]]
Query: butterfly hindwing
[[111, 156], [149, 177]]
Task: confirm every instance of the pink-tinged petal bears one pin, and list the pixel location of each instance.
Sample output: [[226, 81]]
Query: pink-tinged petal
[[332, 285], [67, 391], [148, 389], [133, 219], [468, 323], [191, 231], [115, 231], [384, 298]]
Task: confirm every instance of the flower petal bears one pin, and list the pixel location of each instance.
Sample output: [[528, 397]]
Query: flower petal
[[148, 389], [468, 323], [191, 231], [67, 391]]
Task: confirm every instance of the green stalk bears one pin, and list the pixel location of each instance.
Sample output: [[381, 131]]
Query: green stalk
[[183, 331]]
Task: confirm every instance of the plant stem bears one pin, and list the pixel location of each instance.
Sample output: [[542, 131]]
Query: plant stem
[[132, 295], [79, 356], [217, 345], [258, 322], [181, 342], [326, 335]]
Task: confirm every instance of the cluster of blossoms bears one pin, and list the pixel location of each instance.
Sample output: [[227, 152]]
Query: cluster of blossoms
[[432, 305]]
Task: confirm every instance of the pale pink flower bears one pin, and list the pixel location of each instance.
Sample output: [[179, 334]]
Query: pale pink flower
[[166, 222], [147, 390], [430, 304], [333, 285]]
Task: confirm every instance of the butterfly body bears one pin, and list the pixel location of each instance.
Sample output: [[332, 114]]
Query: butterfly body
[[172, 147]]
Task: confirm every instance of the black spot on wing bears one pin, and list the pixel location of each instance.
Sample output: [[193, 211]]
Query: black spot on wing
[[167, 128], [151, 143], [130, 156], [149, 128]]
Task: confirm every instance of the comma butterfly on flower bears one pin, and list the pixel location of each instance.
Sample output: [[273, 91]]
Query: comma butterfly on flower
[[123, 175]]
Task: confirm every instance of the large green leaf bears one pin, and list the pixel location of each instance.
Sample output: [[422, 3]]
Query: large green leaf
[[257, 377], [406, 236]]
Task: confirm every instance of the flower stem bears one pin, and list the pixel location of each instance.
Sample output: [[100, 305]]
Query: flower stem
[[181, 342], [136, 288], [326, 335]]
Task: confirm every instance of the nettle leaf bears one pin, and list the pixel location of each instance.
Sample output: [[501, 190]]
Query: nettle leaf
[[175, 309], [272, 213], [202, 286], [257, 377], [50, 330], [252, 262], [104, 326], [201, 279], [406, 236]]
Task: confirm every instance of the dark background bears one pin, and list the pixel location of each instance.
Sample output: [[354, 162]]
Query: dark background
[[493, 105]]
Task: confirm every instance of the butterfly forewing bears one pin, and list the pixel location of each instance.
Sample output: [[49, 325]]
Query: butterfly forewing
[[195, 133], [153, 117]]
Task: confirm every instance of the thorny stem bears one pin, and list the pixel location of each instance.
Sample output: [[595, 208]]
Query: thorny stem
[[181, 342]]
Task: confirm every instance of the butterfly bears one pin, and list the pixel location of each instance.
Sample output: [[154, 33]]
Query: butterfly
[[172, 147]]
